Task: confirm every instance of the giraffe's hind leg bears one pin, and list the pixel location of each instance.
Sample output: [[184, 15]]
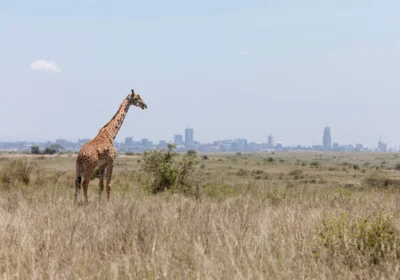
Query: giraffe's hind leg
[[87, 176], [78, 182], [101, 180]]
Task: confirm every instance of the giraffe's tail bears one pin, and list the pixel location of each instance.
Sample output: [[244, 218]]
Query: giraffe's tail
[[79, 173]]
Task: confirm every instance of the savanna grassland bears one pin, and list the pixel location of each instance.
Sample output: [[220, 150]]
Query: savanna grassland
[[289, 215]]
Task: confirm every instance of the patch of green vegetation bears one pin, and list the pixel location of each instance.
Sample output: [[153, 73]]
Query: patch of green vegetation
[[168, 170], [219, 192], [357, 241]]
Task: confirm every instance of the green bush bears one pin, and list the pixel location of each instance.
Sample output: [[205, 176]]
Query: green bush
[[220, 192], [259, 174], [269, 159], [191, 153], [35, 150], [49, 151], [168, 170], [96, 174], [358, 242]]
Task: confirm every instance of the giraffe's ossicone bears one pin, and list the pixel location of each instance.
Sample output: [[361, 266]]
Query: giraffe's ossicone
[[100, 151]]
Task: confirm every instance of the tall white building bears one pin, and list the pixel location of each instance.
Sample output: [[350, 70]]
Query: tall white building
[[188, 137], [271, 141], [327, 140]]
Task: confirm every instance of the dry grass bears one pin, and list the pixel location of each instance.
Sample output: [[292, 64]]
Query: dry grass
[[280, 219]]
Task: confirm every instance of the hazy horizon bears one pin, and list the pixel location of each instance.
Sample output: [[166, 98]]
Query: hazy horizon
[[227, 69]]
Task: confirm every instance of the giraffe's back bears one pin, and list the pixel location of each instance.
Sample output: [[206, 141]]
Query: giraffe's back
[[96, 152]]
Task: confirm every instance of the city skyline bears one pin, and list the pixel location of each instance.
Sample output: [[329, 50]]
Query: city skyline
[[187, 141]]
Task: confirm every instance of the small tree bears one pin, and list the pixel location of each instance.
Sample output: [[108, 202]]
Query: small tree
[[49, 151], [167, 169], [35, 150], [57, 147]]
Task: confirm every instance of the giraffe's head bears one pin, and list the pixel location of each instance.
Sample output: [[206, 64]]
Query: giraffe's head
[[136, 100]]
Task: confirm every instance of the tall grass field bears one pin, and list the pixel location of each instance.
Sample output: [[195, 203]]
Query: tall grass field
[[294, 215]]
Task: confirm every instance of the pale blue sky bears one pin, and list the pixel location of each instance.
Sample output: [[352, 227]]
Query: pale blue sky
[[228, 69]]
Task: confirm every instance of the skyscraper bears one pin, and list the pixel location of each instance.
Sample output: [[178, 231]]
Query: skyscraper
[[178, 139], [382, 146], [326, 140], [188, 137], [271, 141], [128, 141]]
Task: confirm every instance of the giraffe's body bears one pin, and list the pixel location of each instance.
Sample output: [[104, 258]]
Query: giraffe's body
[[100, 151]]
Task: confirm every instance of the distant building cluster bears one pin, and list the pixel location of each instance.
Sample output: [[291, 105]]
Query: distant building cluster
[[187, 142]]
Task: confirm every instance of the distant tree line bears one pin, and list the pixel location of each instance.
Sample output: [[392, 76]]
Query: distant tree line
[[47, 151]]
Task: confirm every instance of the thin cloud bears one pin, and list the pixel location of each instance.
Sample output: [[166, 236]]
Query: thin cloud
[[45, 66], [245, 53]]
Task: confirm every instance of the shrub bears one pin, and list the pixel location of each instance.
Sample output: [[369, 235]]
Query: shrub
[[242, 172], [358, 241], [49, 151], [191, 153], [219, 192], [270, 159], [379, 180], [397, 166], [35, 150], [259, 174], [167, 169], [356, 167], [129, 154], [314, 164], [17, 170], [96, 174]]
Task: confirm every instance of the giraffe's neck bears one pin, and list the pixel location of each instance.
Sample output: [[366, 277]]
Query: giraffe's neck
[[110, 129]]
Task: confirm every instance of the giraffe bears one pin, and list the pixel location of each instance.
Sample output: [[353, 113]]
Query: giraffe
[[100, 151]]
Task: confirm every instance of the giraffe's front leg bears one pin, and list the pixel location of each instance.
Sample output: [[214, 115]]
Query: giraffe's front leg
[[109, 171]]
